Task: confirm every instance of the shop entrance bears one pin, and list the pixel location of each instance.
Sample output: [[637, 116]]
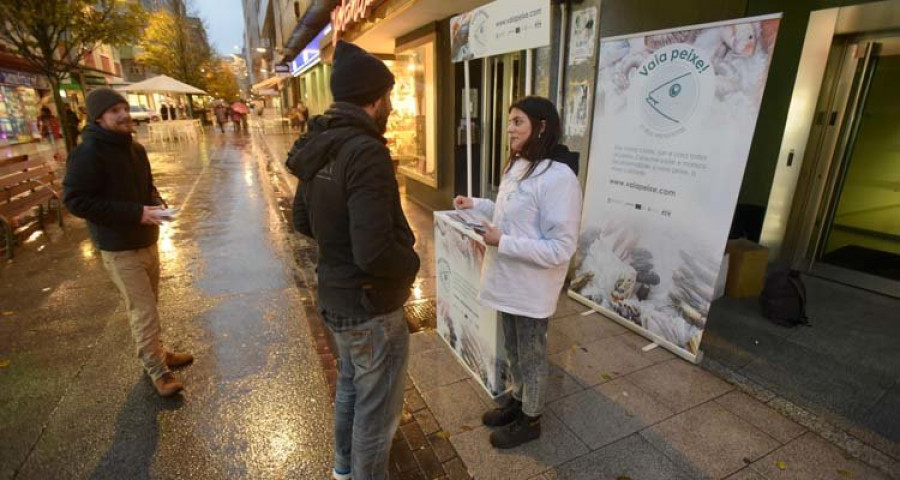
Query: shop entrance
[[504, 82], [856, 236]]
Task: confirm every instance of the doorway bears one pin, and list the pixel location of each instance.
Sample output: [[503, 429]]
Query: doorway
[[856, 239], [503, 83]]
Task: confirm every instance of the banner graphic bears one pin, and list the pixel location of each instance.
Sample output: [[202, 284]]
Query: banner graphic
[[500, 27], [674, 117]]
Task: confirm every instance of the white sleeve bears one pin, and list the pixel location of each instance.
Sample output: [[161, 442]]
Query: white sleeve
[[485, 206], [560, 219]]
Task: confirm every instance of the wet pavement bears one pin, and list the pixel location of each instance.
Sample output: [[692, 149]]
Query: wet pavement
[[75, 403]]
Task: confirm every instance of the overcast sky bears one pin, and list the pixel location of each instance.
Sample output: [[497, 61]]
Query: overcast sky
[[224, 22]]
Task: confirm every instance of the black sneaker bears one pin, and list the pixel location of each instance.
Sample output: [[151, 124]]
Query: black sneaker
[[500, 417], [523, 430]]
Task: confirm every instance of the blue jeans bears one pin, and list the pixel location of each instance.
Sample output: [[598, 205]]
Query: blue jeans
[[369, 396], [525, 339]]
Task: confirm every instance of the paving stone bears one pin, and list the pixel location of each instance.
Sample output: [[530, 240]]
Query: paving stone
[[427, 422], [560, 384], [567, 306], [442, 447], [555, 446], [746, 474], [557, 341], [456, 407], [482, 393], [436, 368], [424, 341], [617, 357], [401, 457], [413, 400], [678, 384], [609, 412], [710, 442], [582, 366], [414, 436], [811, 457], [761, 416], [637, 343], [588, 329], [429, 463], [631, 457], [456, 470]]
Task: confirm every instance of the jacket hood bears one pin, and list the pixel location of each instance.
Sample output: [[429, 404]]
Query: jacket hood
[[98, 133], [562, 154], [327, 133]]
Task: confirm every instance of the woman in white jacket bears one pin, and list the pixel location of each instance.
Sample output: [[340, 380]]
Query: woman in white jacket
[[535, 229]]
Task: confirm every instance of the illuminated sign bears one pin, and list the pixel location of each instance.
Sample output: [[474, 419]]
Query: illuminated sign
[[350, 12]]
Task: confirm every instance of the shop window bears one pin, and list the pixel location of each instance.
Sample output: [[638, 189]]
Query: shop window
[[105, 64], [412, 127], [88, 58], [118, 69]]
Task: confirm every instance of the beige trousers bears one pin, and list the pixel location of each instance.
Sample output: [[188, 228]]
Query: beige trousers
[[136, 275]]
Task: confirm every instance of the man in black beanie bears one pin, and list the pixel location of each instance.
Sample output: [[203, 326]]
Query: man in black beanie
[[349, 203], [108, 183]]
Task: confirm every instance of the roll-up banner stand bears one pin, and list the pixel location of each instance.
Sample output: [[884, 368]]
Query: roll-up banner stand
[[472, 330], [674, 116]]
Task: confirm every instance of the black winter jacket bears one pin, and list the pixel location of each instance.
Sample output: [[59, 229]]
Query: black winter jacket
[[108, 182], [349, 202]]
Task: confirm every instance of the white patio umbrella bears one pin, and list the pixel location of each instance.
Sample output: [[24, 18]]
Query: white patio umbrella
[[162, 84]]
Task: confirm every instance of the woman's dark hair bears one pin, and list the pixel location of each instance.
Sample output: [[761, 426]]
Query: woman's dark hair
[[539, 145]]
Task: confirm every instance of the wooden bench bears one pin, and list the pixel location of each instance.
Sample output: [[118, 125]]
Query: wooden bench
[[26, 185]]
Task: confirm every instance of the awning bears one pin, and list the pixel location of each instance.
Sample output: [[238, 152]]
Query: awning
[[162, 84], [268, 83]]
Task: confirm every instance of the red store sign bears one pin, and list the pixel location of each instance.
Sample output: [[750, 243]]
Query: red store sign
[[350, 12]]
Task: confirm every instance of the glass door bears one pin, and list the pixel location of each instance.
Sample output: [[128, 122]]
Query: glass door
[[504, 84], [860, 235]]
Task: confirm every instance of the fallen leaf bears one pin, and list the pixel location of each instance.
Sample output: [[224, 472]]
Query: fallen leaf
[[623, 477], [606, 376], [8, 313], [781, 465], [46, 289], [442, 434], [4, 363], [845, 473]]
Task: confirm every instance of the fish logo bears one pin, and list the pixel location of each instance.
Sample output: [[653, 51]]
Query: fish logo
[[670, 93]]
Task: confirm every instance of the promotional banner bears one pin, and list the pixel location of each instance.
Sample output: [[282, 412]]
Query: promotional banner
[[500, 27], [674, 117], [471, 329]]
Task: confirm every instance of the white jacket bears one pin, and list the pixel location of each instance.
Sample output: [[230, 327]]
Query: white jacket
[[539, 217]]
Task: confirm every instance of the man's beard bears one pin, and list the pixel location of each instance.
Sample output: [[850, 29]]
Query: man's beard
[[381, 119]]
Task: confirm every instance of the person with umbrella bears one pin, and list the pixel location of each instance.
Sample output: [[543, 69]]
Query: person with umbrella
[[239, 111]]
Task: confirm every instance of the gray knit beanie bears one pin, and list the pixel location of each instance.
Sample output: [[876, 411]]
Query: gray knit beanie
[[101, 100]]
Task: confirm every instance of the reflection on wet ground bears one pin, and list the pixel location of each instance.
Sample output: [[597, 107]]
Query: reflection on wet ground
[[256, 403]]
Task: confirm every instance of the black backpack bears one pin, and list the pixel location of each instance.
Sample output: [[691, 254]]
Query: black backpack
[[783, 299]]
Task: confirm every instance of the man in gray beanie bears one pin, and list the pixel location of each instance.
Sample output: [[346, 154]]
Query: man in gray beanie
[[109, 183], [349, 203]]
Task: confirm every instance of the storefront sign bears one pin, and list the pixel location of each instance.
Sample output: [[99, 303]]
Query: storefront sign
[[350, 12], [470, 329], [9, 77], [673, 121], [500, 27], [308, 56]]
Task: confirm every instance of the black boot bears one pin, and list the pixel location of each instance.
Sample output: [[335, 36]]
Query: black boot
[[504, 415], [523, 430]]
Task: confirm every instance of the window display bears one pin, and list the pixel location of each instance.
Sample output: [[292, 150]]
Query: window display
[[18, 114], [411, 129]]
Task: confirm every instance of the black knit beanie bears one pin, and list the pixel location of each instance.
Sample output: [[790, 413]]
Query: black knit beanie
[[357, 76], [101, 100]]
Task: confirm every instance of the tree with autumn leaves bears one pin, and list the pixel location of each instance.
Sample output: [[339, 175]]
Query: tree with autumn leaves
[[176, 45], [54, 35]]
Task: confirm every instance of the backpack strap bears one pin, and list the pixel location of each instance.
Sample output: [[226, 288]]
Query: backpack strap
[[794, 278]]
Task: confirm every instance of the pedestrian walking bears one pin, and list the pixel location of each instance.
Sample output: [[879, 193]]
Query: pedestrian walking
[[348, 201], [71, 123], [221, 116], [48, 124], [108, 182], [164, 111], [535, 229], [302, 116]]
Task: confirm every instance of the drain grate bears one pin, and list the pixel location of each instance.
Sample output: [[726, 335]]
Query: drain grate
[[421, 314]]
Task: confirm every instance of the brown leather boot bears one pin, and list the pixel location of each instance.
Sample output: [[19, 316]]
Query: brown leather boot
[[175, 360], [167, 385]]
